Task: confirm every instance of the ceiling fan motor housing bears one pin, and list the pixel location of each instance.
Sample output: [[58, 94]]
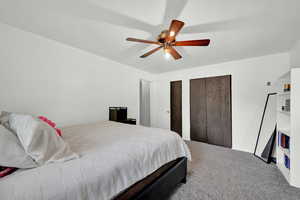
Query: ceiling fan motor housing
[[163, 35]]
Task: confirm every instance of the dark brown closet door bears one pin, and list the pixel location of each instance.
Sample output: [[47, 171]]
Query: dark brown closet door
[[176, 106], [218, 101], [211, 110], [198, 110]]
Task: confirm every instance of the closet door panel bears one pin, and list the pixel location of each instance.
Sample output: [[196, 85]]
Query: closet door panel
[[198, 110], [218, 105]]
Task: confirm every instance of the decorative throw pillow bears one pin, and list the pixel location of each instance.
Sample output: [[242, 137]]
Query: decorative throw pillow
[[40, 140], [12, 153], [52, 124], [4, 171]]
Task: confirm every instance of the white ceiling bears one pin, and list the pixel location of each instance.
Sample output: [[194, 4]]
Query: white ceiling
[[237, 28]]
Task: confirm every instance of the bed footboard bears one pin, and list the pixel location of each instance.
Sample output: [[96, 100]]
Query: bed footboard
[[159, 184]]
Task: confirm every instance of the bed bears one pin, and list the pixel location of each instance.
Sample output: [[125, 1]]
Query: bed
[[117, 161]]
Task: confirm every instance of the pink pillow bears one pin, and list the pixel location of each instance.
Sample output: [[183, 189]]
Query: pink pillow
[[4, 171], [52, 124]]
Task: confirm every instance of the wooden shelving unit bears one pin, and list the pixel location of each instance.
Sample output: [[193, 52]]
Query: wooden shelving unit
[[284, 112], [284, 94], [288, 123], [286, 131]]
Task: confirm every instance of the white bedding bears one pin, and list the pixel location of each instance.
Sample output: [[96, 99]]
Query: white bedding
[[113, 156]]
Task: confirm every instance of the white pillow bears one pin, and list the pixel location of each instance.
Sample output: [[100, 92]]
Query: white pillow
[[12, 153], [39, 140], [4, 119]]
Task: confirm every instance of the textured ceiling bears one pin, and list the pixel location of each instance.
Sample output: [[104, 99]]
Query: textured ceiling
[[237, 28]]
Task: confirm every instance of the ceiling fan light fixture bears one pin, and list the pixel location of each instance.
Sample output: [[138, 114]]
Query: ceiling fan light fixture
[[172, 33], [167, 55]]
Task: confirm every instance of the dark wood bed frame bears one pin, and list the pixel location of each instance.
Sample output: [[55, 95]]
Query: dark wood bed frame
[[159, 184]]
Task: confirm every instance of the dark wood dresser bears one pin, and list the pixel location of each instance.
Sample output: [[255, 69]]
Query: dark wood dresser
[[119, 114]]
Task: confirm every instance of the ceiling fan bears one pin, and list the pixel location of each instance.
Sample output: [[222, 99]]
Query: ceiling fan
[[167, 40]]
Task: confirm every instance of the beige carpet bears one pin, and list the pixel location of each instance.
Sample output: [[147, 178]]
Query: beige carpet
[[218, 173]]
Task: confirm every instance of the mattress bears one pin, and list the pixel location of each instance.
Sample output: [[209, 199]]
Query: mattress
[[113, 156]]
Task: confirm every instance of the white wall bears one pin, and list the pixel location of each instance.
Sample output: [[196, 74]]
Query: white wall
[[44, 77], [70, 86], [249, 90], [295, 55]]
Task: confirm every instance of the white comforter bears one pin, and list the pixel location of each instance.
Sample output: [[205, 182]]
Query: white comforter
[[113, 156]]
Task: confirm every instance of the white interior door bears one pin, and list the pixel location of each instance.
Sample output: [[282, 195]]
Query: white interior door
[[145, 103]]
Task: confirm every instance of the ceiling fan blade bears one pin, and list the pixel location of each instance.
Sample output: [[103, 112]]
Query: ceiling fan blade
[[143, 41], [90, 10], [173, 52], [173, 9], [151, 52], [192, 43], [174, 29]]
